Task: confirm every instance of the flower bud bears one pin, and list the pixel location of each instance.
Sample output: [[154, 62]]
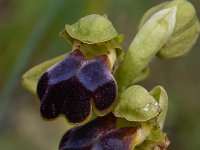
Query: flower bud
[[186, 30], [148, 41]]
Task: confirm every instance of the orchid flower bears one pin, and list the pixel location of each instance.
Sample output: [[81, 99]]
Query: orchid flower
[[98, 78]]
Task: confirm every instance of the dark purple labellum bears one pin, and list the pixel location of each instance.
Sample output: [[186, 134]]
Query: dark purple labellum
[[69, 86], [95, 76], [99, 134], [82, 138]]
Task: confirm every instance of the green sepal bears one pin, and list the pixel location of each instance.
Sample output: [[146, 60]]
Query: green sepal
[[92, 29], [136, 104]]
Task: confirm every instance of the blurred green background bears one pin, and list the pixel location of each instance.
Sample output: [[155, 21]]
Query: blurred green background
[[29, 35]]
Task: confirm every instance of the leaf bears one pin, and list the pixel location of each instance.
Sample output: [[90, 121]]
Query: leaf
[[136, 104], [31, 77]]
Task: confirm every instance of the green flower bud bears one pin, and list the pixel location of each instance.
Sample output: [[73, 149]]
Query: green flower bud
[[186, 30], [148, 41]]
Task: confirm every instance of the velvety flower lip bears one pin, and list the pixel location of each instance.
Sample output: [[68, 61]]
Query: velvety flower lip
[[99, 134], [58, 72], [95, 77], [82, 138], [69, 86]]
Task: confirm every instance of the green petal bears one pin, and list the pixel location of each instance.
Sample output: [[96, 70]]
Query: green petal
[[160, 95], [31, 77], [92, 29], [148, 41], [136, 104]]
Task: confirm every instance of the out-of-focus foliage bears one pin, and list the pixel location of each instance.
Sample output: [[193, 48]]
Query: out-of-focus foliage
[[29, 35]]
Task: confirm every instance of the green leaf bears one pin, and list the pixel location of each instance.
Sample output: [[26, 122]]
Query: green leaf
[[136, 104], [148, 41], [160, 95], [31, 77]]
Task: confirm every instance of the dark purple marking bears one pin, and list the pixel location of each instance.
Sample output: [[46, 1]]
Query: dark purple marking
[[97, 78], [73, 101], [82, 138], [69, 86], [105, 95], [77, 101], [61, 71], [42, 85], [95, 73]]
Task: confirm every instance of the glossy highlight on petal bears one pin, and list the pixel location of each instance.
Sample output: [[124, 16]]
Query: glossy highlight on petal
[[69, 86]]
